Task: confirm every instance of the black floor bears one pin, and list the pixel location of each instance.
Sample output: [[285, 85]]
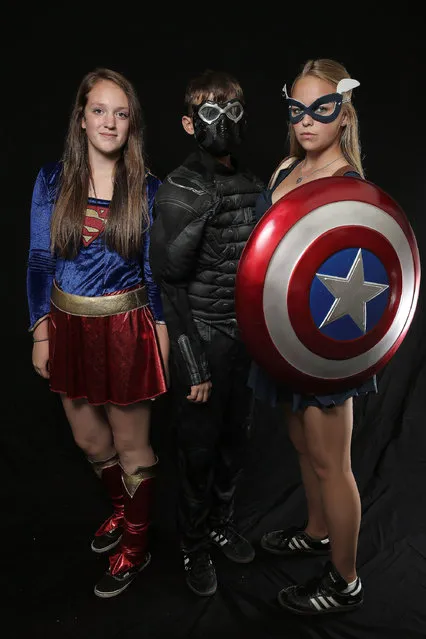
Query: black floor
[[53, 503]]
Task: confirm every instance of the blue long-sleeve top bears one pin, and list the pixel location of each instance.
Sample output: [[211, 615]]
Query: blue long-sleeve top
[[96, 269]]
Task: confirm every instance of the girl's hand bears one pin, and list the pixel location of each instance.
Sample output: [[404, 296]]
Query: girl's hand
[[41, 358], [163, 340]]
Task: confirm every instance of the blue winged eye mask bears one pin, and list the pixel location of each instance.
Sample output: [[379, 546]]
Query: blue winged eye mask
[[325, 109]]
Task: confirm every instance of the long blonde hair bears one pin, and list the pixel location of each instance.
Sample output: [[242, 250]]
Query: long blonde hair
[[350, 145], [128, 212]]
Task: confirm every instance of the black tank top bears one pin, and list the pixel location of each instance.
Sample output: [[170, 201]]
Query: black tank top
[[264, 200]]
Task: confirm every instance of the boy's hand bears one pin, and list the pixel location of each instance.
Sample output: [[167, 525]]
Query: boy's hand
[[200, 393]]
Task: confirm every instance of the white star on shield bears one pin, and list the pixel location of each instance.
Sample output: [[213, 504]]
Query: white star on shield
[[351, 294]]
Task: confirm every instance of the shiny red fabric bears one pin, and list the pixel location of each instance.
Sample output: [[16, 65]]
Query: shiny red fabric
[[109, 524], [137, 517], [111, 479], [106, 359]]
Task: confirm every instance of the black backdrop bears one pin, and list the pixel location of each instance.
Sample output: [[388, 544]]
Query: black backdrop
[[50, 499]]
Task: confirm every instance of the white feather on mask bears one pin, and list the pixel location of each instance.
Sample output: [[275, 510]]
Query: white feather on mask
[[346, 85]]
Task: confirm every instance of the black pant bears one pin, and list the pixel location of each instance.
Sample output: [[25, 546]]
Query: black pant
[[211, 439]]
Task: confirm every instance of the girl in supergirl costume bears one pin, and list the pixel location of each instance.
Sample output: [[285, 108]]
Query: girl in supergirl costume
[[95, 312]]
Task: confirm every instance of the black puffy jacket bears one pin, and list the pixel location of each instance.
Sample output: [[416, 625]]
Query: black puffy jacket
[[203, 216]]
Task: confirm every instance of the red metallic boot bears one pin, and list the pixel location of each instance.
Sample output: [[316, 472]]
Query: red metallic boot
[[111, 531], [132, 556]]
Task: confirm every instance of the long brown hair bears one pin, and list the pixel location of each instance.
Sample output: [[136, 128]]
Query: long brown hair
[[128, 212], [350, 145]]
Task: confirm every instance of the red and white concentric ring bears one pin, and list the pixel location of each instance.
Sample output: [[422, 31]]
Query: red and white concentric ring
[[289, 242]]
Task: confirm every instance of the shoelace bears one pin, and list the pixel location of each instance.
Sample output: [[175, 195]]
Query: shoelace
[[199, 561], [229, 534], [312, 585], [309, 588], [285, 535]]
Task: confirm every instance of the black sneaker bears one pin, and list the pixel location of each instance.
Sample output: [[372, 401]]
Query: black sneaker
[[294, 541], [200, 572], [112, 585], [232, 544], [326, 594], [107, 541]]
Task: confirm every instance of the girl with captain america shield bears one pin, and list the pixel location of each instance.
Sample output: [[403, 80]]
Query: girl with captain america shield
[[323, 142]]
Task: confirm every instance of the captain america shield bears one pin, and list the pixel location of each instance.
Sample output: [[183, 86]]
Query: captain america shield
[[327, 284]]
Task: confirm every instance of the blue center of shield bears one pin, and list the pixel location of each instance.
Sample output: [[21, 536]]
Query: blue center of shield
[[349, 294]]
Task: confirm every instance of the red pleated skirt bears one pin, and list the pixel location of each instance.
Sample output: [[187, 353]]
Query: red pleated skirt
[[114, 358]]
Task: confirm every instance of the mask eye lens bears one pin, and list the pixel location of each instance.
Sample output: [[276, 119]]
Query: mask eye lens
[[295, 114], [326, 109], [209, 113], [235, 112]]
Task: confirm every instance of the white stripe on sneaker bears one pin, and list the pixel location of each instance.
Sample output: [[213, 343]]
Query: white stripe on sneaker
[[357, 589], [333, 601], [323, 601], [354, 585], [315, 603], [218, 538]]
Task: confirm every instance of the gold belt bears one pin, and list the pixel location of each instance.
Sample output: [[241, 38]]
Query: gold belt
[[98, 306]]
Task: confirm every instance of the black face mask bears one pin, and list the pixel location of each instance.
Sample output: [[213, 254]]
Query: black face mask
[[219, 127]]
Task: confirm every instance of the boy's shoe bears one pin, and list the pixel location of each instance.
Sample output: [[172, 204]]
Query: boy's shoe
[[323, 595], [233, 545], [200, 572], [294, 541], [112, 585]]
